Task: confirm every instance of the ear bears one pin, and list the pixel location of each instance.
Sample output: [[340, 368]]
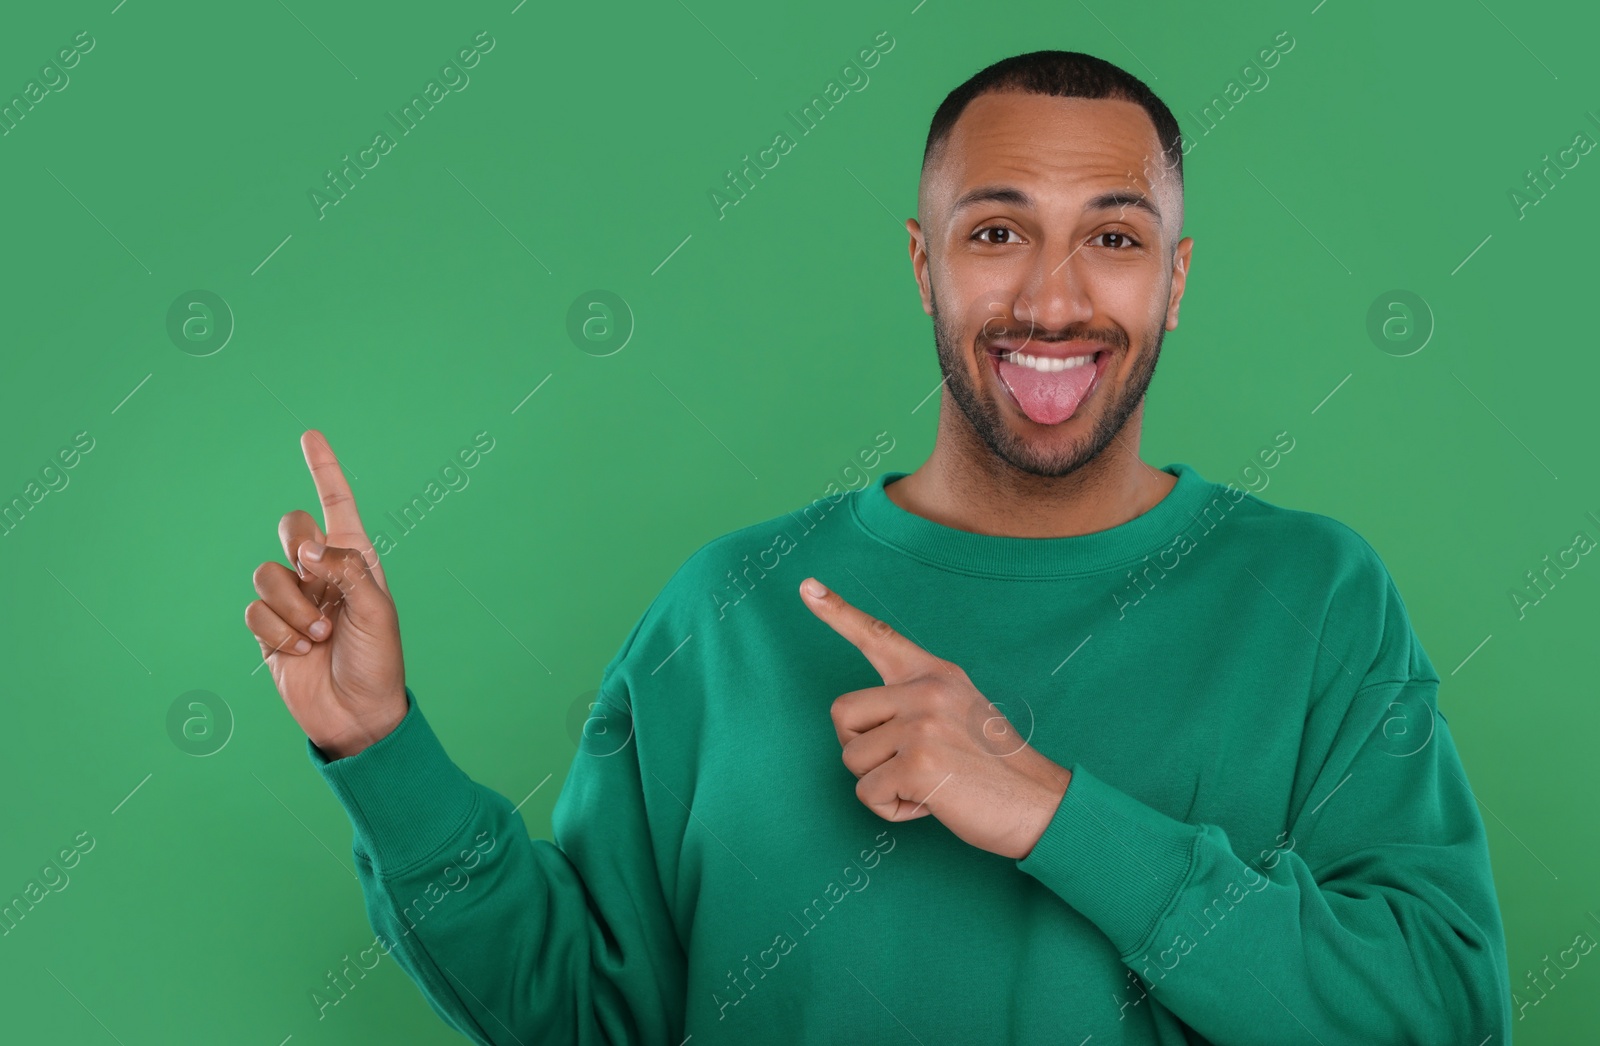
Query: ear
[[919, 263], [1180, 276]]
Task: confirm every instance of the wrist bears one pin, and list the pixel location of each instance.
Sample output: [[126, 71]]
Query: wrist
[[1052, 782], [361, 736]]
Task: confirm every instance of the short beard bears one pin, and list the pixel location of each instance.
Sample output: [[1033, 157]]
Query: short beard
[[983, 415]]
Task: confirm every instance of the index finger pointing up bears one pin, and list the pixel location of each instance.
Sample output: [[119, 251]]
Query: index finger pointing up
[[340, 520], [895, 657]]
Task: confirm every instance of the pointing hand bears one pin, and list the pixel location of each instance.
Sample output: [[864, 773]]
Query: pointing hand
[[329, 633], [927, 741]]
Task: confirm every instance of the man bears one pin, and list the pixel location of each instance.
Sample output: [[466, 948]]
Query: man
[[1135, 757]]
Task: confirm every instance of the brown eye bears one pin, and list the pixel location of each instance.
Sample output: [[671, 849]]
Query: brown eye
[[1127, 241], [993, 229]]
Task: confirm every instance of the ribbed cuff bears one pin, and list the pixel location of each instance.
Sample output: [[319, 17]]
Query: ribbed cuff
[[404, 796], [1117, 861]]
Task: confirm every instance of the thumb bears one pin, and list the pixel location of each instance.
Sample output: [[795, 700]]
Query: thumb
[[350, 580], [895, 657]]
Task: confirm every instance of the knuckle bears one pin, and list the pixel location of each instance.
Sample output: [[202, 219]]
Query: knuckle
[[255, 616], [295, 521], [347, 563], [879, 628], [262, 576], [334, 498]]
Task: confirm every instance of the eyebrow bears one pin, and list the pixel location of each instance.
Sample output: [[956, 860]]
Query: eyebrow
[[1115, 199]]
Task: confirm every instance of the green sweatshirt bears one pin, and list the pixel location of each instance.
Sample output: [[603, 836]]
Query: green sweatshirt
[[1268, 836]]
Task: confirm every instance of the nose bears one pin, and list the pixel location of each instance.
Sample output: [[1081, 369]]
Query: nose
[[1052, 296]]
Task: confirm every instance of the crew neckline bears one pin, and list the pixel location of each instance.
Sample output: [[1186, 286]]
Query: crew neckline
[[991, 555]]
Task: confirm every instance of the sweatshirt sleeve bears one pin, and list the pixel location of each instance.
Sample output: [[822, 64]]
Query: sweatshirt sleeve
[[515, 940], [1375, 921]]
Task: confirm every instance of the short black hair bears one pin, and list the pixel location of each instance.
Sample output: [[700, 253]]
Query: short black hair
[[1063, 74]]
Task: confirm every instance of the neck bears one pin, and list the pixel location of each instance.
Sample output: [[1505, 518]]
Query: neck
[[966, 486]]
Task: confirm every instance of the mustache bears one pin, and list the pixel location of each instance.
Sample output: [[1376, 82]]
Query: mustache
[[1110, 339]]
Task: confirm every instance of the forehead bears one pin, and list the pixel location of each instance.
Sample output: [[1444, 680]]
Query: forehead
[[1080, 144]]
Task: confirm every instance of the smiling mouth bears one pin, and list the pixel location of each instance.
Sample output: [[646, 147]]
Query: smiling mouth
[[1043, 363], [1048, 387]]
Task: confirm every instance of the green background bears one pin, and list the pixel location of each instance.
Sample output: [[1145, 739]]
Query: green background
[[765, 348]]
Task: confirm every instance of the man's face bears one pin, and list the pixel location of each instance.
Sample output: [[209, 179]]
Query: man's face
[[1064, 264]]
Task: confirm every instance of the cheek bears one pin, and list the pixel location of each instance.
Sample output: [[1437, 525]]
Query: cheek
[[1135, 290], [1135, 301]]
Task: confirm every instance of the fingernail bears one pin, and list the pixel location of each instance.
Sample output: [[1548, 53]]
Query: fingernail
[[814, 588], [311, 550], [318, 629], [301, 646]]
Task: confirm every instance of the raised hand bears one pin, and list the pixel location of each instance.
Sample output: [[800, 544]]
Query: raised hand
[[329, 632], [927, 742]]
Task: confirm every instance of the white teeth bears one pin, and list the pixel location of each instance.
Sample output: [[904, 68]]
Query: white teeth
[[1046, 364]]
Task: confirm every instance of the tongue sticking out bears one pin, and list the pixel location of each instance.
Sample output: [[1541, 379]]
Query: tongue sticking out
[[1048, 399]]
